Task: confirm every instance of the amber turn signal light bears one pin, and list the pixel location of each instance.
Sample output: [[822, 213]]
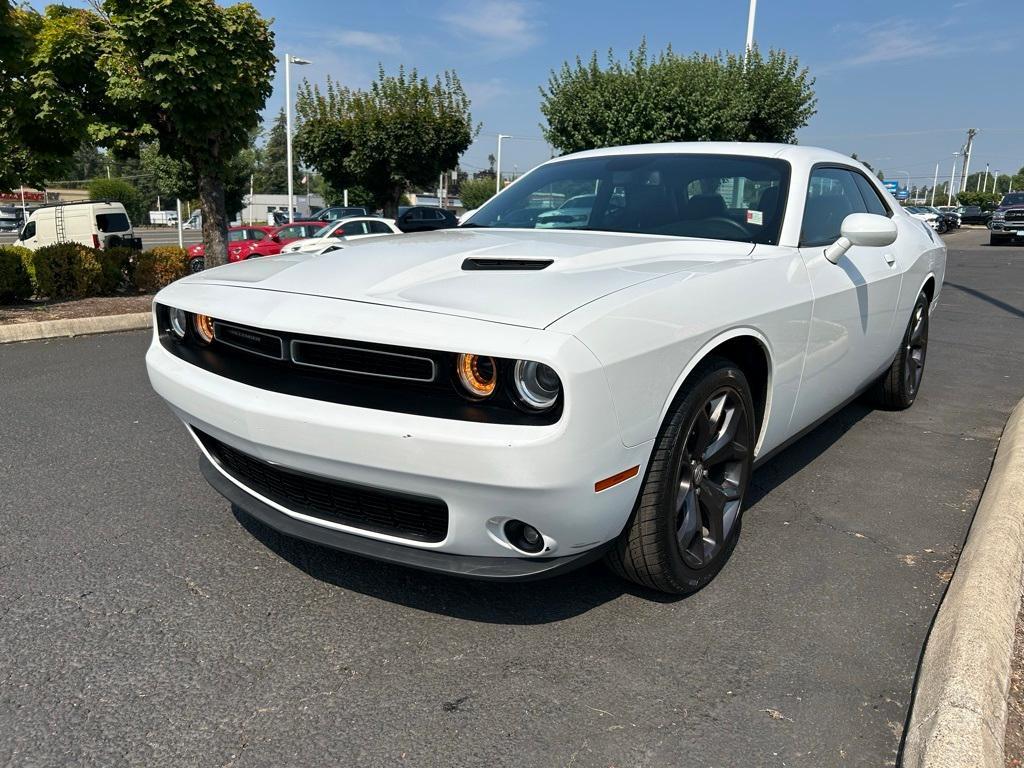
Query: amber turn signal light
[[621, 477], [204, 328], [477, 374]]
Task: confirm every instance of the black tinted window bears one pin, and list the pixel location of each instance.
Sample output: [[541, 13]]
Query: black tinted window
[[378, 227], [832, 195], [871, 197], [112, 222], [720, 197], [29, 231]]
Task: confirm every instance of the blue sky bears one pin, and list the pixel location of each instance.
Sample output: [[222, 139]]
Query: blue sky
[[898, 83]]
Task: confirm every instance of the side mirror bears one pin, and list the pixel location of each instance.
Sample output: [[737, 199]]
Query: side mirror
[[866, 229]]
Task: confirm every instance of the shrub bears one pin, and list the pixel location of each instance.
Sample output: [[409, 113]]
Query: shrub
[[66, 271], [115, 268], [122, 192], [159, 267], [15, 284]]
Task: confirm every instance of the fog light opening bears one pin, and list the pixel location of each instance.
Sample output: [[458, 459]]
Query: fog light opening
[[524, 536]]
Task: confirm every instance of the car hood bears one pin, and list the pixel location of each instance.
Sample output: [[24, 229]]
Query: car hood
[[425, 271]]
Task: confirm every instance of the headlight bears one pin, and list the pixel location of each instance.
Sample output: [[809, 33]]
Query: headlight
[[537, 385], [204, 328], [179, 322], [477, 374], [999, 215]]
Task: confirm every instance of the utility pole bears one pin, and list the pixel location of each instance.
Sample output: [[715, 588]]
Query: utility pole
[[935, 183], [985, 189], [751, 13], [497, 167], [952, 175], [971, 133], [288, 61]]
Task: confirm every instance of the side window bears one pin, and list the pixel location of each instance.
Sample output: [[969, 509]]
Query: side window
[[871, 197], [29, 231], [437, 214], [356, 228], [832, 195], [255, 234], [379, 228], [416, 214]]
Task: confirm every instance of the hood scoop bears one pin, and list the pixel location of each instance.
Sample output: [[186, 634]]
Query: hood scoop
[[505, 265]]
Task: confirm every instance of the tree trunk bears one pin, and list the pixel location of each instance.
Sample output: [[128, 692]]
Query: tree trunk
[[395, 199], [215, 220]]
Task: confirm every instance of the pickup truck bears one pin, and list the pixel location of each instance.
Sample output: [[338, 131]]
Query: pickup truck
[[1007, 224]]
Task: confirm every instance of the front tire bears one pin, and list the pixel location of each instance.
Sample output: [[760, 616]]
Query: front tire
[[897, 389], [994, 240], [687, 519]]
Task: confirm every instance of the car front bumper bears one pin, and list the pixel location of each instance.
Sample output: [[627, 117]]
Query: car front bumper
[[486, 474], [1011, 228]]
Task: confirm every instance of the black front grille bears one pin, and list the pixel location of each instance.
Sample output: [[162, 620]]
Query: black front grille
[[1014, 215], [359, 506], [249, 339], [369, 362]]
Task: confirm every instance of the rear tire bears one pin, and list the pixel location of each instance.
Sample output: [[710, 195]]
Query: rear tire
[[898, 387], [687, 517]]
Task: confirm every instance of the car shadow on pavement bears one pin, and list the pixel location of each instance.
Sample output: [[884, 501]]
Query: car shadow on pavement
[[990, 299], [535, 602]]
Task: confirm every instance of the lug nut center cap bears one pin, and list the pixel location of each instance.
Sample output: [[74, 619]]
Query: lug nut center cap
[[698, 474]]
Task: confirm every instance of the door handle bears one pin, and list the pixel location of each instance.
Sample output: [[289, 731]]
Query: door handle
[[890, 259]]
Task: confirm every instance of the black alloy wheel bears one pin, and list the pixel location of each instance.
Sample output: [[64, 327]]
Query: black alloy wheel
[[688, 513], [196, 265], [898, 387], [710, 477]]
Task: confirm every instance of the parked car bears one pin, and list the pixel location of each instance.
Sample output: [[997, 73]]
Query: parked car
[[89, 222], [241, 241], [510, 403], [424, 218], [278, 237], [333, 234], [953, 214], [973, 214], [1007, 223], [10, 219], [933, 220], [338, 212]]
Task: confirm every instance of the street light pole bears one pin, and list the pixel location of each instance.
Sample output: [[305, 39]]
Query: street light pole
[[751, 13], [935, 183], [497, 174], [288, 61], [952, 175]]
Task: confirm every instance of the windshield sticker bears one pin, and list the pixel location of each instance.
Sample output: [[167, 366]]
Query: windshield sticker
[[755, 217]]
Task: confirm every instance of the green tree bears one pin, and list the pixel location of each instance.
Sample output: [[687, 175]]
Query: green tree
[[403, 131], [987, 200], [122, 192], [271, 176], [195, 75], [476, 192], [674, 98]]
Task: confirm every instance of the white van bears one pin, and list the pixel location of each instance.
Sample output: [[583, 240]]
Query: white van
[[95, 224]]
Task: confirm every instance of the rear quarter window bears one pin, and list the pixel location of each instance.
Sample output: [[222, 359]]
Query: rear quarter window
[[112, 222]]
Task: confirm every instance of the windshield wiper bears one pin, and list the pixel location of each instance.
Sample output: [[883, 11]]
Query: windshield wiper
[[471, 225]]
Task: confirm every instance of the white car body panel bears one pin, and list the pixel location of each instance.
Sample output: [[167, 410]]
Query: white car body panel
[[622, 318]]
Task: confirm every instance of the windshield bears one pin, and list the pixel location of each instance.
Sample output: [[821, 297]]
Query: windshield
[[720, 197], [324, 231], [1014, 198]]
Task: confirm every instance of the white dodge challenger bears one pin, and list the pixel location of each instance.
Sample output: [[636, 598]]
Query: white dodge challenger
[[503, 401]]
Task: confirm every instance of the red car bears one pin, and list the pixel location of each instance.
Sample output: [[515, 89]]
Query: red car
[[254, 240], [281, 236]]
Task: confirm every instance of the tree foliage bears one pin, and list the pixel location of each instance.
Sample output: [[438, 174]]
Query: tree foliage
[[669, 97], [476, 192], [122, 192], [404, 131], [988, 201], [271, 175]]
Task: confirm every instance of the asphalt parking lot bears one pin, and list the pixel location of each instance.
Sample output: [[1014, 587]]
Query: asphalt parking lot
[[141, 623]]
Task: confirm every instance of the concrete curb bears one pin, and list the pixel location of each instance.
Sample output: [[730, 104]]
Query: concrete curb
[[79, 326], [959, 714]]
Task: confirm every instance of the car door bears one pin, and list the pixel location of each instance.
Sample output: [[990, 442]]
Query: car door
[[850, 338]]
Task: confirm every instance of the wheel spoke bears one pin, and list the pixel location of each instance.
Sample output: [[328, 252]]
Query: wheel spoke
[[714, 498], [700, 433], [723, 437], [689, 521]]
